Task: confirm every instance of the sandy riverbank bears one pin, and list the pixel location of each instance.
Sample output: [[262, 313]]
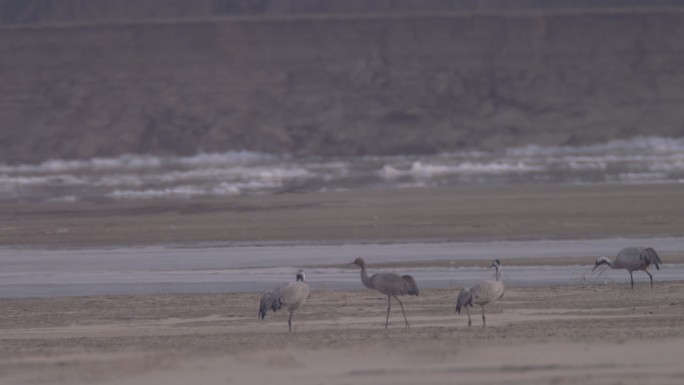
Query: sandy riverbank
[[454, 214], [580, 334]]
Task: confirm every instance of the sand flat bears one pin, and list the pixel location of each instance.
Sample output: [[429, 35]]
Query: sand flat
[[456, 214], [602, 334]]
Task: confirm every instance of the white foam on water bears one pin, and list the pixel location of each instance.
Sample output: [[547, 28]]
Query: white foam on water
[[427, 170], [389, 172], [133, 162], [667, 165], [232, 158], [175, 192], [634, 161], [641, 176], [419, 169], [636, 145], [59, 179]]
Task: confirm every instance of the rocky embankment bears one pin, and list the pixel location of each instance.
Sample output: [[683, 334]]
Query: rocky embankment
[[340, 85]]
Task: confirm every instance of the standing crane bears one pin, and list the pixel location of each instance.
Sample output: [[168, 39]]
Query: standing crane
[[481, 293], [389, 284], [633, 259], [291, 296]]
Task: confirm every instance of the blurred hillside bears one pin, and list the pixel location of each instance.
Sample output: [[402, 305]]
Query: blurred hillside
[[331, 84], [18, 12]]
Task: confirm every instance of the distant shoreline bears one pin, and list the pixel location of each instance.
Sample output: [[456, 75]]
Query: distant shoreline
[[451, 214]]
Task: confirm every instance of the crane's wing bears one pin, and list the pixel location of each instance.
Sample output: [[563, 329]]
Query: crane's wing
[[393, 284], [651, 257], [487, 291], [410, 285], [293, 293], [464, 299], [630, 258], [266, 303]]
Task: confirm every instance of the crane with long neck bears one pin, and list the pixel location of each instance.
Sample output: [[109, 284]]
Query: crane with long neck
[[389, 284], [632, 259]]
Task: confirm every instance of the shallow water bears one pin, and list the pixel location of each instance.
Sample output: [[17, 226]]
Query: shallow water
[[225, 268]]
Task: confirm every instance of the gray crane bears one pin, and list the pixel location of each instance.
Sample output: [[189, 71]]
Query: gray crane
[[633, 259], [389, 284], [291, 296], [482, 293]]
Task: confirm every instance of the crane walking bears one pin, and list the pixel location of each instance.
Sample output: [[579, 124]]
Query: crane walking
[[291, 296], [389, 284], [481, 293], [633, 259]]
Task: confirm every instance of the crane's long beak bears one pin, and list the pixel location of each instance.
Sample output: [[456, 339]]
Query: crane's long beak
[[595, 266]]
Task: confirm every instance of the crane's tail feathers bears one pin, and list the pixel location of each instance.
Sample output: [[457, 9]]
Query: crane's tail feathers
[[269, 301], [265, 304], [653, 257], [411, 286], [464, 299]]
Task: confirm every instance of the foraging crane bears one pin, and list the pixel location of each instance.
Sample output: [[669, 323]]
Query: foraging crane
[[633, 259], [291, 296], [389, 284], [481, 293]]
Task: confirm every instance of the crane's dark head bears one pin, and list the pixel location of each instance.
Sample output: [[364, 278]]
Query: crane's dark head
[[359, 262], [602, 261], [496, 263], [300, 275]]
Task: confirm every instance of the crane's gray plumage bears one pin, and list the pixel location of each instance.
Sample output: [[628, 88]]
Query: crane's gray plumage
[[481, 293], [389, 284], [291, 296], [633, 259]]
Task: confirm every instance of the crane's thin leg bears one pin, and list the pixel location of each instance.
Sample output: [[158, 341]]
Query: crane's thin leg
[[650, 276], [632, 279], [402, 310], [389, 306], [468, 311], [483, 317], [289, 322]]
